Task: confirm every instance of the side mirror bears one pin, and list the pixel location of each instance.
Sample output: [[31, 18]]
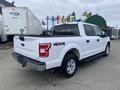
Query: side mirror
[[103, 35]]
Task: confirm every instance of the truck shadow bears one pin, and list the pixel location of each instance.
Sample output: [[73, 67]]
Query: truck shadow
[[54, 78], [83, 65]]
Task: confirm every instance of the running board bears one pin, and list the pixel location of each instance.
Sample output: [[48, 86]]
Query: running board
[[92, 57]]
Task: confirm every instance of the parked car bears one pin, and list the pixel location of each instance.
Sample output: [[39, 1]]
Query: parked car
[[64, 48]]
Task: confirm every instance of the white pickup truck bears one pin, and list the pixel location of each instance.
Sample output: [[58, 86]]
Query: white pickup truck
[[64, 48]]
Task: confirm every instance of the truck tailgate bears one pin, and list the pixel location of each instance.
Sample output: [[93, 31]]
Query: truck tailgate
[[28, 47]]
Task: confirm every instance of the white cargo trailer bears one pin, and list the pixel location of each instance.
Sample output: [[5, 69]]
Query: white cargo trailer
[[17, 19], [3, 36]]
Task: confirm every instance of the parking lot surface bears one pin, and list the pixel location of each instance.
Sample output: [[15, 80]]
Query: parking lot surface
[[100, 74]]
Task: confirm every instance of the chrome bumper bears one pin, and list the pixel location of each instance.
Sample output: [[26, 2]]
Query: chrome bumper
[[31, 63]]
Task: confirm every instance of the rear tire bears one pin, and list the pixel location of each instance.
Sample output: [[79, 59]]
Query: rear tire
[[69, 65], [107, 50]]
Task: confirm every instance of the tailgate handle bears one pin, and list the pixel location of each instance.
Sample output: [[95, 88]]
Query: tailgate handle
[[21, 38]]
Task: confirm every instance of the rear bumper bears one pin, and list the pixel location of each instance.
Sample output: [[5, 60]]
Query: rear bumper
[[31, 63]]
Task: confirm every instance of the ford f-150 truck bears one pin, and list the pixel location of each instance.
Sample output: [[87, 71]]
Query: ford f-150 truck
[[64, 48]]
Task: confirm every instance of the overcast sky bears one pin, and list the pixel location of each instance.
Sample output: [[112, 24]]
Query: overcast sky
[[109, 9]]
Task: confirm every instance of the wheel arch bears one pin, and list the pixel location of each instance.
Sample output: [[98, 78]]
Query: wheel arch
[[71, 48], [73, 51], [109, 43]]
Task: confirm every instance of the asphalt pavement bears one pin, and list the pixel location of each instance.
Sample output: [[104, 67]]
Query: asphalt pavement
[[100, 74]]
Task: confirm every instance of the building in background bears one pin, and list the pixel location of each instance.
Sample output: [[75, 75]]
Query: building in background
[[98, 20]]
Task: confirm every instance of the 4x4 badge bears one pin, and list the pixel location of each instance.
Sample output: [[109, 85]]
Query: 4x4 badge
[[59, 43]]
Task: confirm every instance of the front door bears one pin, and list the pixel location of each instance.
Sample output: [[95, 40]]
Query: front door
[[90, 41], [100, 41]]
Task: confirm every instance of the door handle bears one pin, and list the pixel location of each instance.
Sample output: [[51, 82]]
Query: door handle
[[87, 41], [98, 40]]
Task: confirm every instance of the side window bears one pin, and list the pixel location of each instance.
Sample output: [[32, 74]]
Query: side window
[[98, 32], [89, 30], [66, 29]]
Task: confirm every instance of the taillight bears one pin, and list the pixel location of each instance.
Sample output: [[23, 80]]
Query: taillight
[[44, 49]]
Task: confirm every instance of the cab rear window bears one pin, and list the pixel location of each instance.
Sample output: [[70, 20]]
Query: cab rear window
[[66, 29]]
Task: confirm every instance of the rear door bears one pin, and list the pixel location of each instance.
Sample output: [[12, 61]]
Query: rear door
[[28, 47]]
